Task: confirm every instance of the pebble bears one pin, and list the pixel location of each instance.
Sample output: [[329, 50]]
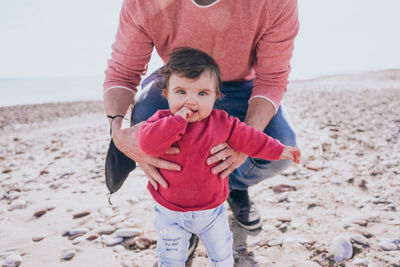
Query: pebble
[[118, 248], [81, 214], [387, 245], [40, 213], [143, 243], [13, 260], [262, 260], [360, 239], [359, 261], [394, 222], [128, 232], [372, 264], [68, 255], [106, 230], [39, 237], [17, 204], [117, 219], [112, 241], [77, 231], [282, 188], [274, 242], [283, 196], [107, 212], [315, 165], [361, 222], [11, 195], [341, 249]]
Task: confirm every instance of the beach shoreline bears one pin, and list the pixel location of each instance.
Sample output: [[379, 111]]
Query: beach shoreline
[[54, 200]]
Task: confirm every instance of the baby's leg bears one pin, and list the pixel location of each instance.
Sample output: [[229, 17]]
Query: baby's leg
[[217, 238], [172, 240]]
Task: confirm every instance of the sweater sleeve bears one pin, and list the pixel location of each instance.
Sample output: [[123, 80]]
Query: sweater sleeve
[[131, 50], [274, 51], [157, 135], [257, 144]]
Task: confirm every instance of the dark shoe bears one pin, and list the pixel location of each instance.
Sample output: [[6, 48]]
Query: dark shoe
[[194, 241], [118, 166], [244, 211]]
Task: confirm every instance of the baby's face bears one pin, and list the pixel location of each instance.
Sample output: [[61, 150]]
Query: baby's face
[[196, 94]]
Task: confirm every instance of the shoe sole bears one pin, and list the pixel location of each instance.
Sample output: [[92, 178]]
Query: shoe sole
[[249, 227]]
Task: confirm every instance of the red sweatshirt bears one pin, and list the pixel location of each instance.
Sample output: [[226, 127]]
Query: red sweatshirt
[[247, 38], [194, 187]]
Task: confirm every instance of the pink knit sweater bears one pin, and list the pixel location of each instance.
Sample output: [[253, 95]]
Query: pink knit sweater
[[248, 39]]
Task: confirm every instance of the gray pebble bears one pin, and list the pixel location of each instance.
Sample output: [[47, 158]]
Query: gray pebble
[[106, 230], [359, 261], [128, 232], [13, 260], [39, 237], [112, 241], [274, 242], [78, 231], [341, 249], [360, 239], [68, 255], [387, 245]]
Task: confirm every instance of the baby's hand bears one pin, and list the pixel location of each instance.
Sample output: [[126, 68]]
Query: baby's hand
[[184, 112], [292, 153]]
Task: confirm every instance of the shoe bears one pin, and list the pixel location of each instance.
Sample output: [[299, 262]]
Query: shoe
[[117, 168], [244, 211], [194, 241]]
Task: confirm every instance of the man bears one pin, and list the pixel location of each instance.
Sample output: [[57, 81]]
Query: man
[[252, 42]]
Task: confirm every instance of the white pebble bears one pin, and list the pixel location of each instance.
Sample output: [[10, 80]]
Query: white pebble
[[274, 242], [387, 245], [359, 261], [78, 231], [111, 241], [283, 196], [360, 239], [117, 219], [17, 204], [39, 237], [118, 248], [107, 212], [68, 255], [13, 260], [128, 232], [262, 260], [106, 230]]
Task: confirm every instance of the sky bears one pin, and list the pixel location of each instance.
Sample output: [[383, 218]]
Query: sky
[[49, 38]]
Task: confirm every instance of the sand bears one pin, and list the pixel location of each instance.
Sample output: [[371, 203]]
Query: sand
[[347, 185]]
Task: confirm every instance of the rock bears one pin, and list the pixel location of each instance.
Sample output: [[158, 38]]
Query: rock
[[92, 237], [40, 213], [128, 232], [315, 165], [143, 243], [341, 249], [77, 240], [77, 231], [68, 255], [106, 230], [17, 204], [130, 240], [13, 260], [262, 260], [107, 212], [360, 239], [394, 222], [274, 243], [282, 188], [359, 261], [118, 248], [100, 220], [12, 194], [387, 245], [117, 219], [39, 237], [112, 241], [81, 214], [373, 264], [283, 196], [361, 222]]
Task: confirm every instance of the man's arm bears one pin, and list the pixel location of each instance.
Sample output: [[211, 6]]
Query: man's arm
[[117, 102]]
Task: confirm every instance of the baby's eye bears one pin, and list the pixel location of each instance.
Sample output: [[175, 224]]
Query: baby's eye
[[181, 92], [203, 93]]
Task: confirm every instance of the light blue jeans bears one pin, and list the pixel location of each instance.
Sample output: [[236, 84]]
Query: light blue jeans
[[174, 230], [234, 101]]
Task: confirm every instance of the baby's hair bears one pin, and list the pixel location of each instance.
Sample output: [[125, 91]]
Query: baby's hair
[[189, 63]]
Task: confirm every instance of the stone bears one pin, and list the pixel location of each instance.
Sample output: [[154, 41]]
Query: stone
[[373, 264], [77, 231], [112, 241], [107, 212], [68, 255], [282, 188], [360, 239], [17, 204], [394, 222], [361, 222], [387, 245], [118, 248], [283, 196], [13, 260], [315, 165], [262, 260], [128, 232], [80, 214], [274, 243], [106, 230], [143, 243], [341, 249], [40, 213], [359, 261], [117, 219], [39, 237]]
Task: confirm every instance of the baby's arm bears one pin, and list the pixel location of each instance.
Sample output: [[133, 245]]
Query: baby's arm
[[155, 137]]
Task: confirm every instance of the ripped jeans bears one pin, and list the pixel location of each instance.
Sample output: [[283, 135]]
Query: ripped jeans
[[174, 230]]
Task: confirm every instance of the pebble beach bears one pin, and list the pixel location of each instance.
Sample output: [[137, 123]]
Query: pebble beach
[[338, 207]]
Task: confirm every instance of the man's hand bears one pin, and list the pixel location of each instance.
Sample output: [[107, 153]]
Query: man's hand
[[125, 140], [230, 159]]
